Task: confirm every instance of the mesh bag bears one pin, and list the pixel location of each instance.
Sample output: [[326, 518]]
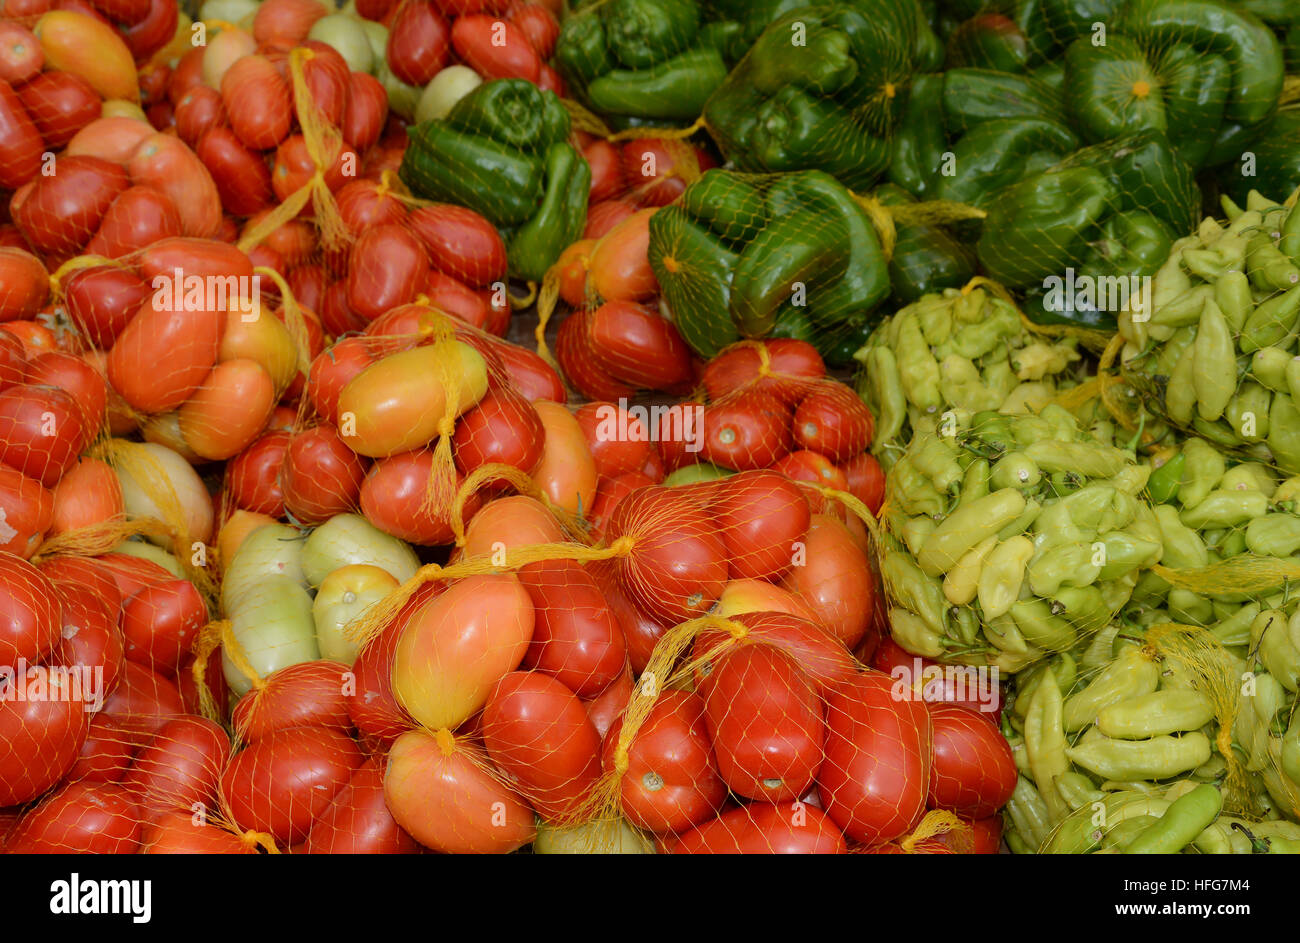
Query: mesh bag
[[1205, 351]]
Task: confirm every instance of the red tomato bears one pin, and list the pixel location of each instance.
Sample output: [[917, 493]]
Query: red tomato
[[602, 219], [819, 655], [607, 178], [242, 178], [495, 48], [659, 169], [865, 480], [20, 141], [791, 364], [765, 722], [357, 821], [337, 318], [637, 346], [139, 217], [538, 24], [159, 623], [417, 42], [620, 266], [929, 679], [876, 764], [80, 380], [461, 243], [530, 375], [26, 285], [60, 104], [60, 213], [575, 354], [102, 301], [576, 637], [796, 828], [81, 818], [835, 579], [164, 162], [294, 167], [21, 56], [153, 32], [186, 341], [375, 10], [678, 565], [40, 432], [372, 706], [973, 772], [536, 731], [87, 495], [572, 267], [403, 496], [503, 428], [326, 77], [762, 518], [187, 74], [321, 476], [106, 754], [834, 421], [387, 268], [86, 572], [39, 739], [813, 468], [332, 370], [365, 112], [198, 112], [747, 431], [618, 440], [90, 636], [282, 782], [366, 203], [143, 701], [609, 492], [640, 632], [252, 476], [671, 782], [258, 102], [125, 12], [441, 790], [452, 297], [177, 833], [285, 22], [606, 707], [180, 766], [308, 694], [28, 512]]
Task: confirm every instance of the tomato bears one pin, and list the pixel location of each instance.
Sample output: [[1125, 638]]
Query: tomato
[[332, 370], [258, 102], [143, 701], [495, 48], [294, 167], [164, 162], [308, 694], [13, 358], [576, 637], [609, 704], [125, 12], [876, 765], [373, 707], [326, 78], [620, 266], [865, 480], [791, 364], [180, 766], [61, 212], [459, 645], [204, 258], [602, 219], [337, 318], [252, 476], [159, 623], [387, 268], [529, 375], [177, 833], [89, 636], [40, 432], [240, 174], [27, 510], [765, 722], [81, 818], [366, 203], [320, 476], [536, 731], [572, 266], [818, 655], [671, 782], [418, 41], [609, 492], [357, 821], [343, 597], [88, 494], [285, 23], [89, 573], [440, 790], [60, 104], [452, 297], [139, 217], [929, 679], [20, 141], [747, 431], [835, 579], [106, 754], [198, 112], [637, 346], [762, 518], [814, 469], [659, 169], [187, 341], [607, 178], [538, 24], [39, 739], [503, 428], [282, 782], [617, 439], [566, 472], [834, 421], [402, 495], [80, 380], [102, 301], [575, 354], [461, 243], [229, 410], [154, 32], [973, 772], [21, 57], [365, 112], [764, 829], [514, 521]]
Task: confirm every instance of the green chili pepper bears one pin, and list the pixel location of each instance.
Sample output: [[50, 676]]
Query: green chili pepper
[[1040, 628], [1155, 758], [1046, 745], [1182, 822], [966, 527], [1271, 321], [1130, 674], [1002, 574], [1215, 377], [1284, 433], [1160, 712], [1225, 509]]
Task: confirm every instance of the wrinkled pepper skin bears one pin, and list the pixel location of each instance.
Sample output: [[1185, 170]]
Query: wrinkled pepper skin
[[757, 256], [503, 151], [823, 88], [926, 258]]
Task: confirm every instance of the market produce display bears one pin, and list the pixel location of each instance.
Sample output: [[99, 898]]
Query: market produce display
[[677, 427]]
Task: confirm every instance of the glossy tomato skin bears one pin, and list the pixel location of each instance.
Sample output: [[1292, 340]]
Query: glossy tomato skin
[[60, 104], [372, 706], [187, 341], [81, 818], [812, 468], [143, 701], [834, 421], [836, 580], [609, 492], [609, 704], [365, 112], [177, 833], [576, 638], [159, 624], [39, 739], [461, 243], [607, 177], [659, 170], [537, 732], [30, 619], [763, 518], [320, 476], [106, 754], [865, 480], [765, 722], [258, 102], [102, 301], [876, 766], [495, 48], [198, 111], [308, 694], [418, 42], [90, 636], [617, 439], [749, 430], [640, 632], [402, 495], [792, 365], [20, 145], [530, 375], [28, 509], [242, 178], [973, 772], [282, 782], [62, 212], [894, 660], [332, 370], [671, 781], [26, 289], [503, 428], [253, 476], [75, 376], [180, 766], [387, 268], [818, 654], [40, 432], [762, 828], [619, 270], [139, 217], [358, 822]]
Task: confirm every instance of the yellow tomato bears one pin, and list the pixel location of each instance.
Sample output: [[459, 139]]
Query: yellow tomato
[[345, 595]]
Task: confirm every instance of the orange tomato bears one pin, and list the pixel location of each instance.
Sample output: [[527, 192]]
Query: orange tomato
[[835, 579], [164, 162], [620, 263], [113, 139], [88, 494], [91, 49], [161, 357], [229, 410], [567, 472], [741, 596], [260, 337], [572, 266], [515, 521]]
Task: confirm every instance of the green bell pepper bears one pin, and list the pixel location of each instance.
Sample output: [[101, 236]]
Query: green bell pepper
[[503, 152], [1069, 20], [1276, 165], [973, 96], [995, 154], [988, 41], [926, 258], [823, 88], [751, 256], [919, 143]]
